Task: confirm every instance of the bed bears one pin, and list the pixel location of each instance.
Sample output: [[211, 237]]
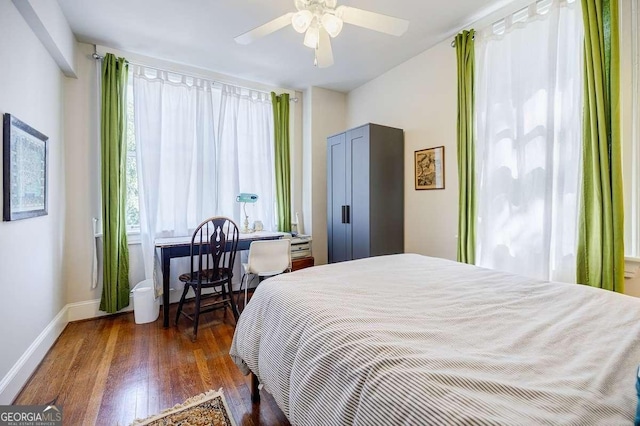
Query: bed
[[408, 339]]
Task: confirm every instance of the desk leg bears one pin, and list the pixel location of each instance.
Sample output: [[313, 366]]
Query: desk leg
[[166, 291]]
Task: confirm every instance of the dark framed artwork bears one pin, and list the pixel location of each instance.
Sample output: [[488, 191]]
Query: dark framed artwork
[[429, 168], [24, 170]]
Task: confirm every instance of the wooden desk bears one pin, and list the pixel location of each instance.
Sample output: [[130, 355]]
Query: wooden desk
[[181, 247]]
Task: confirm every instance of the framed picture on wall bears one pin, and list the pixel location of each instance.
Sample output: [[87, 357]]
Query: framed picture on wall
[[429, 168], [24, 172]]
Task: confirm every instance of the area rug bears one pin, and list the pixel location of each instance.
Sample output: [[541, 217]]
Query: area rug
[[209, 408]]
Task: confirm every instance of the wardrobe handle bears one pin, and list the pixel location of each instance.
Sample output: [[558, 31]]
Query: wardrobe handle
[[344, 217], [348, 214]]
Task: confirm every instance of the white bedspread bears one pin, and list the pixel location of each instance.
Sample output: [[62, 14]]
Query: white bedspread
[[408, 339]]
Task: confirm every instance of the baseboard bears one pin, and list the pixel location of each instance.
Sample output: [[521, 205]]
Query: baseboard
[[17, 377], [89, 309]]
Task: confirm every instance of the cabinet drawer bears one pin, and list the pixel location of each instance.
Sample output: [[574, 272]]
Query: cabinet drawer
[[305, 262]]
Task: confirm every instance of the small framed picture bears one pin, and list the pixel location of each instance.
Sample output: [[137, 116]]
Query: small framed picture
[[429, 170], [24, 173]]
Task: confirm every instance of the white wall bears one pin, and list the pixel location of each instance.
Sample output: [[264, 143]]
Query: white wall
[[419, 96], [82, 177], [324, 115], [297, 172], [49, 24], [31, 250]]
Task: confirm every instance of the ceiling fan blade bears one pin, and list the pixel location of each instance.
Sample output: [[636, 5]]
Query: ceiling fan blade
[[373, 21], [324, 54], [264, 30]]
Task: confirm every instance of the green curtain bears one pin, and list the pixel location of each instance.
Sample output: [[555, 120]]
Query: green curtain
[[600, 260], [466, 148], [283, 161], [115, 290]]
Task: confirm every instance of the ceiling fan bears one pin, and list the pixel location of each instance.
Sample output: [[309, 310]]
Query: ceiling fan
[[322, 20]]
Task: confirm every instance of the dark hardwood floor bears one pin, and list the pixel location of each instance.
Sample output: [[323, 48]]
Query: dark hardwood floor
[[110, 371]]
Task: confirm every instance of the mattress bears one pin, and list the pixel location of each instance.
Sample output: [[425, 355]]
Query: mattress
[[408, 339]]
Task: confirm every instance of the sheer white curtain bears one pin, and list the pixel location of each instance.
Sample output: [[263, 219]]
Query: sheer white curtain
[[529, 109], [246, 154], [193, 139]]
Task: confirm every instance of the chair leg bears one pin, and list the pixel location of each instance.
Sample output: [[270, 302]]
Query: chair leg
[[234, 309], [246, 291], [239, 292], [225, 297], [181, 304], [196, 315]]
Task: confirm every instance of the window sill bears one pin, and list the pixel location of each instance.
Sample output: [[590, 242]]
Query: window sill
[[631, 267], [133, 237]]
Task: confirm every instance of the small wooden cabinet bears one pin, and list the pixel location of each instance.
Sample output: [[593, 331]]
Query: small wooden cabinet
[[301, 263]]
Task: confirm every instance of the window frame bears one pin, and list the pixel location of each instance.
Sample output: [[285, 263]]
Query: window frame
[[630, 130]]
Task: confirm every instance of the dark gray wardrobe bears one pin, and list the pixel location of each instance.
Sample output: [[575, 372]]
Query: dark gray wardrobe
[[365, 185]]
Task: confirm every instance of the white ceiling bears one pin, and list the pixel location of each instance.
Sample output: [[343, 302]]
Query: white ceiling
[[200, 33]]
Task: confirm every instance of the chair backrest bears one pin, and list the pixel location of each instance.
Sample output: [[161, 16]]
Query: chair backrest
[[213, 246], [269, 257]]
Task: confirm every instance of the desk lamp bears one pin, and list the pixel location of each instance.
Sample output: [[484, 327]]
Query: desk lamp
[[245, 198]]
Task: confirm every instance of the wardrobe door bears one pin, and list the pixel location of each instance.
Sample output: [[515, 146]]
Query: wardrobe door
[[358, 188], [337, 198]]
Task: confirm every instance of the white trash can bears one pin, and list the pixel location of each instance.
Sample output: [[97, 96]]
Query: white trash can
[[146, 307]]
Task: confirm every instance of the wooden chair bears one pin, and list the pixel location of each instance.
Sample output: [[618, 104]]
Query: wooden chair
[[213, 252]]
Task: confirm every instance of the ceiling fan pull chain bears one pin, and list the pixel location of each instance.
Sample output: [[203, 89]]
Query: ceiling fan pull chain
[[315, 57]]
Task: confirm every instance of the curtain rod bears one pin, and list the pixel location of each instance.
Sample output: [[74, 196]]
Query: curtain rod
[[453, 42], [536, 4], [100, 57]]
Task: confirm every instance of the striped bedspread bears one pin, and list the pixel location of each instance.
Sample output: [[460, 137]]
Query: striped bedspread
[[408, 339]]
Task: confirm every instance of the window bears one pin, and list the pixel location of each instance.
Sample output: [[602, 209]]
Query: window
[[529, 137], [133, 207], [630, 121], [635, 133], [199, 144]]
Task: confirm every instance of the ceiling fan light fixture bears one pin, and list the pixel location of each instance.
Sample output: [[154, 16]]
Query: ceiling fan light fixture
[[312, 37], [302, 20], [320, 20], [332, 24]]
